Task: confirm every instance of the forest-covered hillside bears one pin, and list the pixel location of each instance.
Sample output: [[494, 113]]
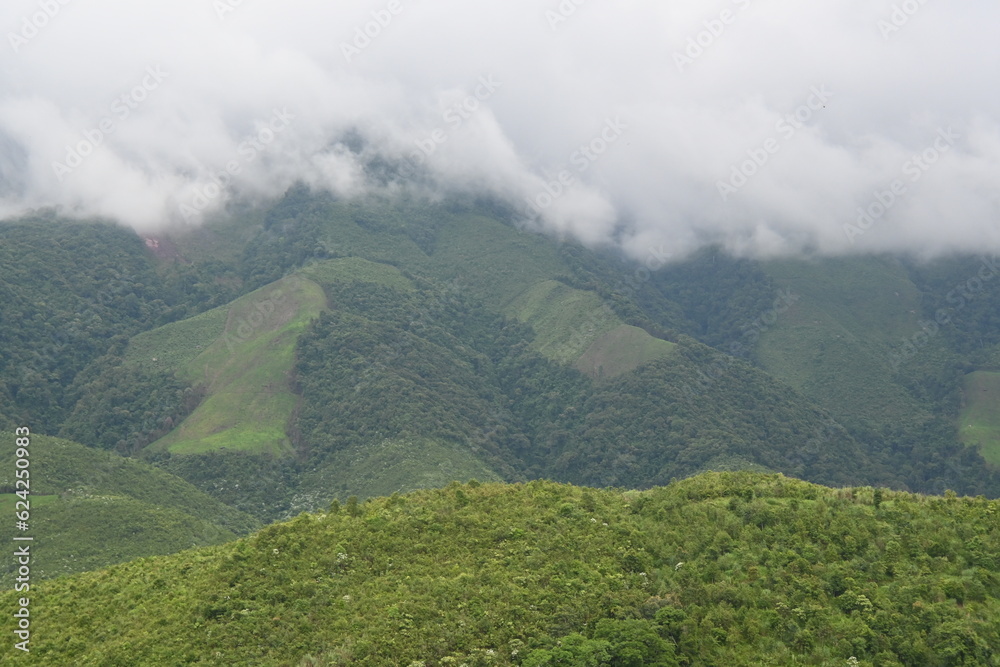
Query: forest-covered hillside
[[721, 569], [314, 353], [312, 349], [317, 348]]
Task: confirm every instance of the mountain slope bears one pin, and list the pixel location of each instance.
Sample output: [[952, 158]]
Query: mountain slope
[[92, 508], [69, 290], [468, 348], [456, 346], [835, 343], [720, 569], [242, 355], [979, 422]]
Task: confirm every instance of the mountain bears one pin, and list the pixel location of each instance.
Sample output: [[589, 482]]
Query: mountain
[[322, 365], [448, 344], [315, 348], [720, 569], [91, 509]]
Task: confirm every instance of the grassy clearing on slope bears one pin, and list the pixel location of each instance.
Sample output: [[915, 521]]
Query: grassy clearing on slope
[[92, 508], [575, 326], [566, 320], [61, 466], [622, 350], [373, 229], [356, 269], [79, 533], [246, 372], [496, 261], [173, 346], [979, 423]]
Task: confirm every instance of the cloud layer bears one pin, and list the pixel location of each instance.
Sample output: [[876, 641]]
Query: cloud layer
[[769, 127]]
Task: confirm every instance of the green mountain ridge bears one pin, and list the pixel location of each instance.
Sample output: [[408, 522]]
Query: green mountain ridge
[[734, 569], [303, 354]]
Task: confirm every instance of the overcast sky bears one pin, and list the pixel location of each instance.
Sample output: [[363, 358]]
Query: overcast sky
[[768, 126]]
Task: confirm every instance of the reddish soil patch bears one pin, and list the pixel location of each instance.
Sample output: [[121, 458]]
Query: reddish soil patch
[[163, 249]]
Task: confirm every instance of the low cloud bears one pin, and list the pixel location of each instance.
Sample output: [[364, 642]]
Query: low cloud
[[770, 129]]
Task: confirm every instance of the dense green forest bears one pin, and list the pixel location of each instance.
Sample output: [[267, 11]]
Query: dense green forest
[[70, 291], [721, 569]]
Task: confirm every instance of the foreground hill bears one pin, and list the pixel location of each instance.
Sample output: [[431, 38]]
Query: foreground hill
[[721, 569], [91, 509]]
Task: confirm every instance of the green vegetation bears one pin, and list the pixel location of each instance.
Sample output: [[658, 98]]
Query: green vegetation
[[710, 296], [422, 353], [495, 261], [834, 344], [721, 408], [124, 406], [243, 369], [389, 383], [467, 348], [174, 346], [565, 320], [66, 289], [721, 569], [860, 340], [620, 351], [443, 370], [387, 467], [355, 269], [964, 293], [574, 326], [314, 353], [69, 288], [979, 423], [97, 508]]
